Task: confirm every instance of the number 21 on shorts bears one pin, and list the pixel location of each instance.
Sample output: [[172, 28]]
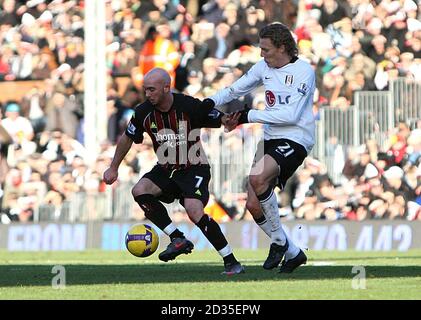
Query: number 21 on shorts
[[285, 150]]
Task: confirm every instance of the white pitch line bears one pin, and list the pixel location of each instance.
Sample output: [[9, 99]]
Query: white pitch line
[[323, 263]]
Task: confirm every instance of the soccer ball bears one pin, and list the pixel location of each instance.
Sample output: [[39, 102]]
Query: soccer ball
[[142, 240]]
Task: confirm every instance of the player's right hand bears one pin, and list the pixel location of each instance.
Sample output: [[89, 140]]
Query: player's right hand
[[110, 175], [230, 121]]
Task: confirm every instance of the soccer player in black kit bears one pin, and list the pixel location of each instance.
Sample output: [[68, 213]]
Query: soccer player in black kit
[[173, 122]]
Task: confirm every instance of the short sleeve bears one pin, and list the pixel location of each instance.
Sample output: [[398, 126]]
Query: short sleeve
[[134, 129]]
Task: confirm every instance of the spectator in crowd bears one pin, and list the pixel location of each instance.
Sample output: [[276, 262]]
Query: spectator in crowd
[[331, 11], [5, 141], [18, 127], [61, 114], [190, 61], [213, 10], [222, 44], [159, 51], [8, 14], [33, 106], [252, 21]]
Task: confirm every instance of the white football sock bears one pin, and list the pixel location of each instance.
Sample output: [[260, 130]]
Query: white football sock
[[225, 251], [170, 229], [292, 251], [271, 212], [265, 226]]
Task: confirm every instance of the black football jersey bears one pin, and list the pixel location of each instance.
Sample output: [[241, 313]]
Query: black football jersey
[[175, 134]]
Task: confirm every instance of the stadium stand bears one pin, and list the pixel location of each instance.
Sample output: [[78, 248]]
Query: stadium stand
[[366, 54]]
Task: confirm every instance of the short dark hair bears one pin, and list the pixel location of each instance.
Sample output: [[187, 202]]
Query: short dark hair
[[280, 35]]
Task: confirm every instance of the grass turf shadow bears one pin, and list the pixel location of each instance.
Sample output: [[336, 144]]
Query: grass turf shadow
[[78, 274]]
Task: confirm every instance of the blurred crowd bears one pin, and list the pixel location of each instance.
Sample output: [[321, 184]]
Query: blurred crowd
[[205, 45], [374, 184]]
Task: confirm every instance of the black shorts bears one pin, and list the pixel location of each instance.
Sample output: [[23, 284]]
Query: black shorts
[[288, 154], [191, 182]]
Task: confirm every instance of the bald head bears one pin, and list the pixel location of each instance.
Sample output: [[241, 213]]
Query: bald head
[[158, 75], [157, 86]]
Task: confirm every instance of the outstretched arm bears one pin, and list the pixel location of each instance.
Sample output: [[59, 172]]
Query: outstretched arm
[[213, 118], [287, 112], [247, 83], [286, 116], [123, 146]]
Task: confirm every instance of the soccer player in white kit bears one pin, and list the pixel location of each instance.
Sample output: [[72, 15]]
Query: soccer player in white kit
[[289, 133]]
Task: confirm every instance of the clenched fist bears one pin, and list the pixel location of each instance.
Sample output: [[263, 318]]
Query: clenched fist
[[110, 175]]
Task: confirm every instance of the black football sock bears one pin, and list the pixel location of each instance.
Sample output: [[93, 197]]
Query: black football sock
[[176, 234], [157, 213], [213, 233], [230, 259], [260, 220]]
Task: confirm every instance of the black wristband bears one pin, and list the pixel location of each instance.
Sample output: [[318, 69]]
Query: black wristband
[[208, 103]]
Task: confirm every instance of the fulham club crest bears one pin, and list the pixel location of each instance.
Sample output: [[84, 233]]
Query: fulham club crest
[[289, 79]]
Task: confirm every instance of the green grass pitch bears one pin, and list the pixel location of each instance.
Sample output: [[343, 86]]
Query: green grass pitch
[[98, 274]]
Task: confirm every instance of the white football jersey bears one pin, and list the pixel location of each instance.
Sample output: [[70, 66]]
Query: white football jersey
[[288, 97]]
